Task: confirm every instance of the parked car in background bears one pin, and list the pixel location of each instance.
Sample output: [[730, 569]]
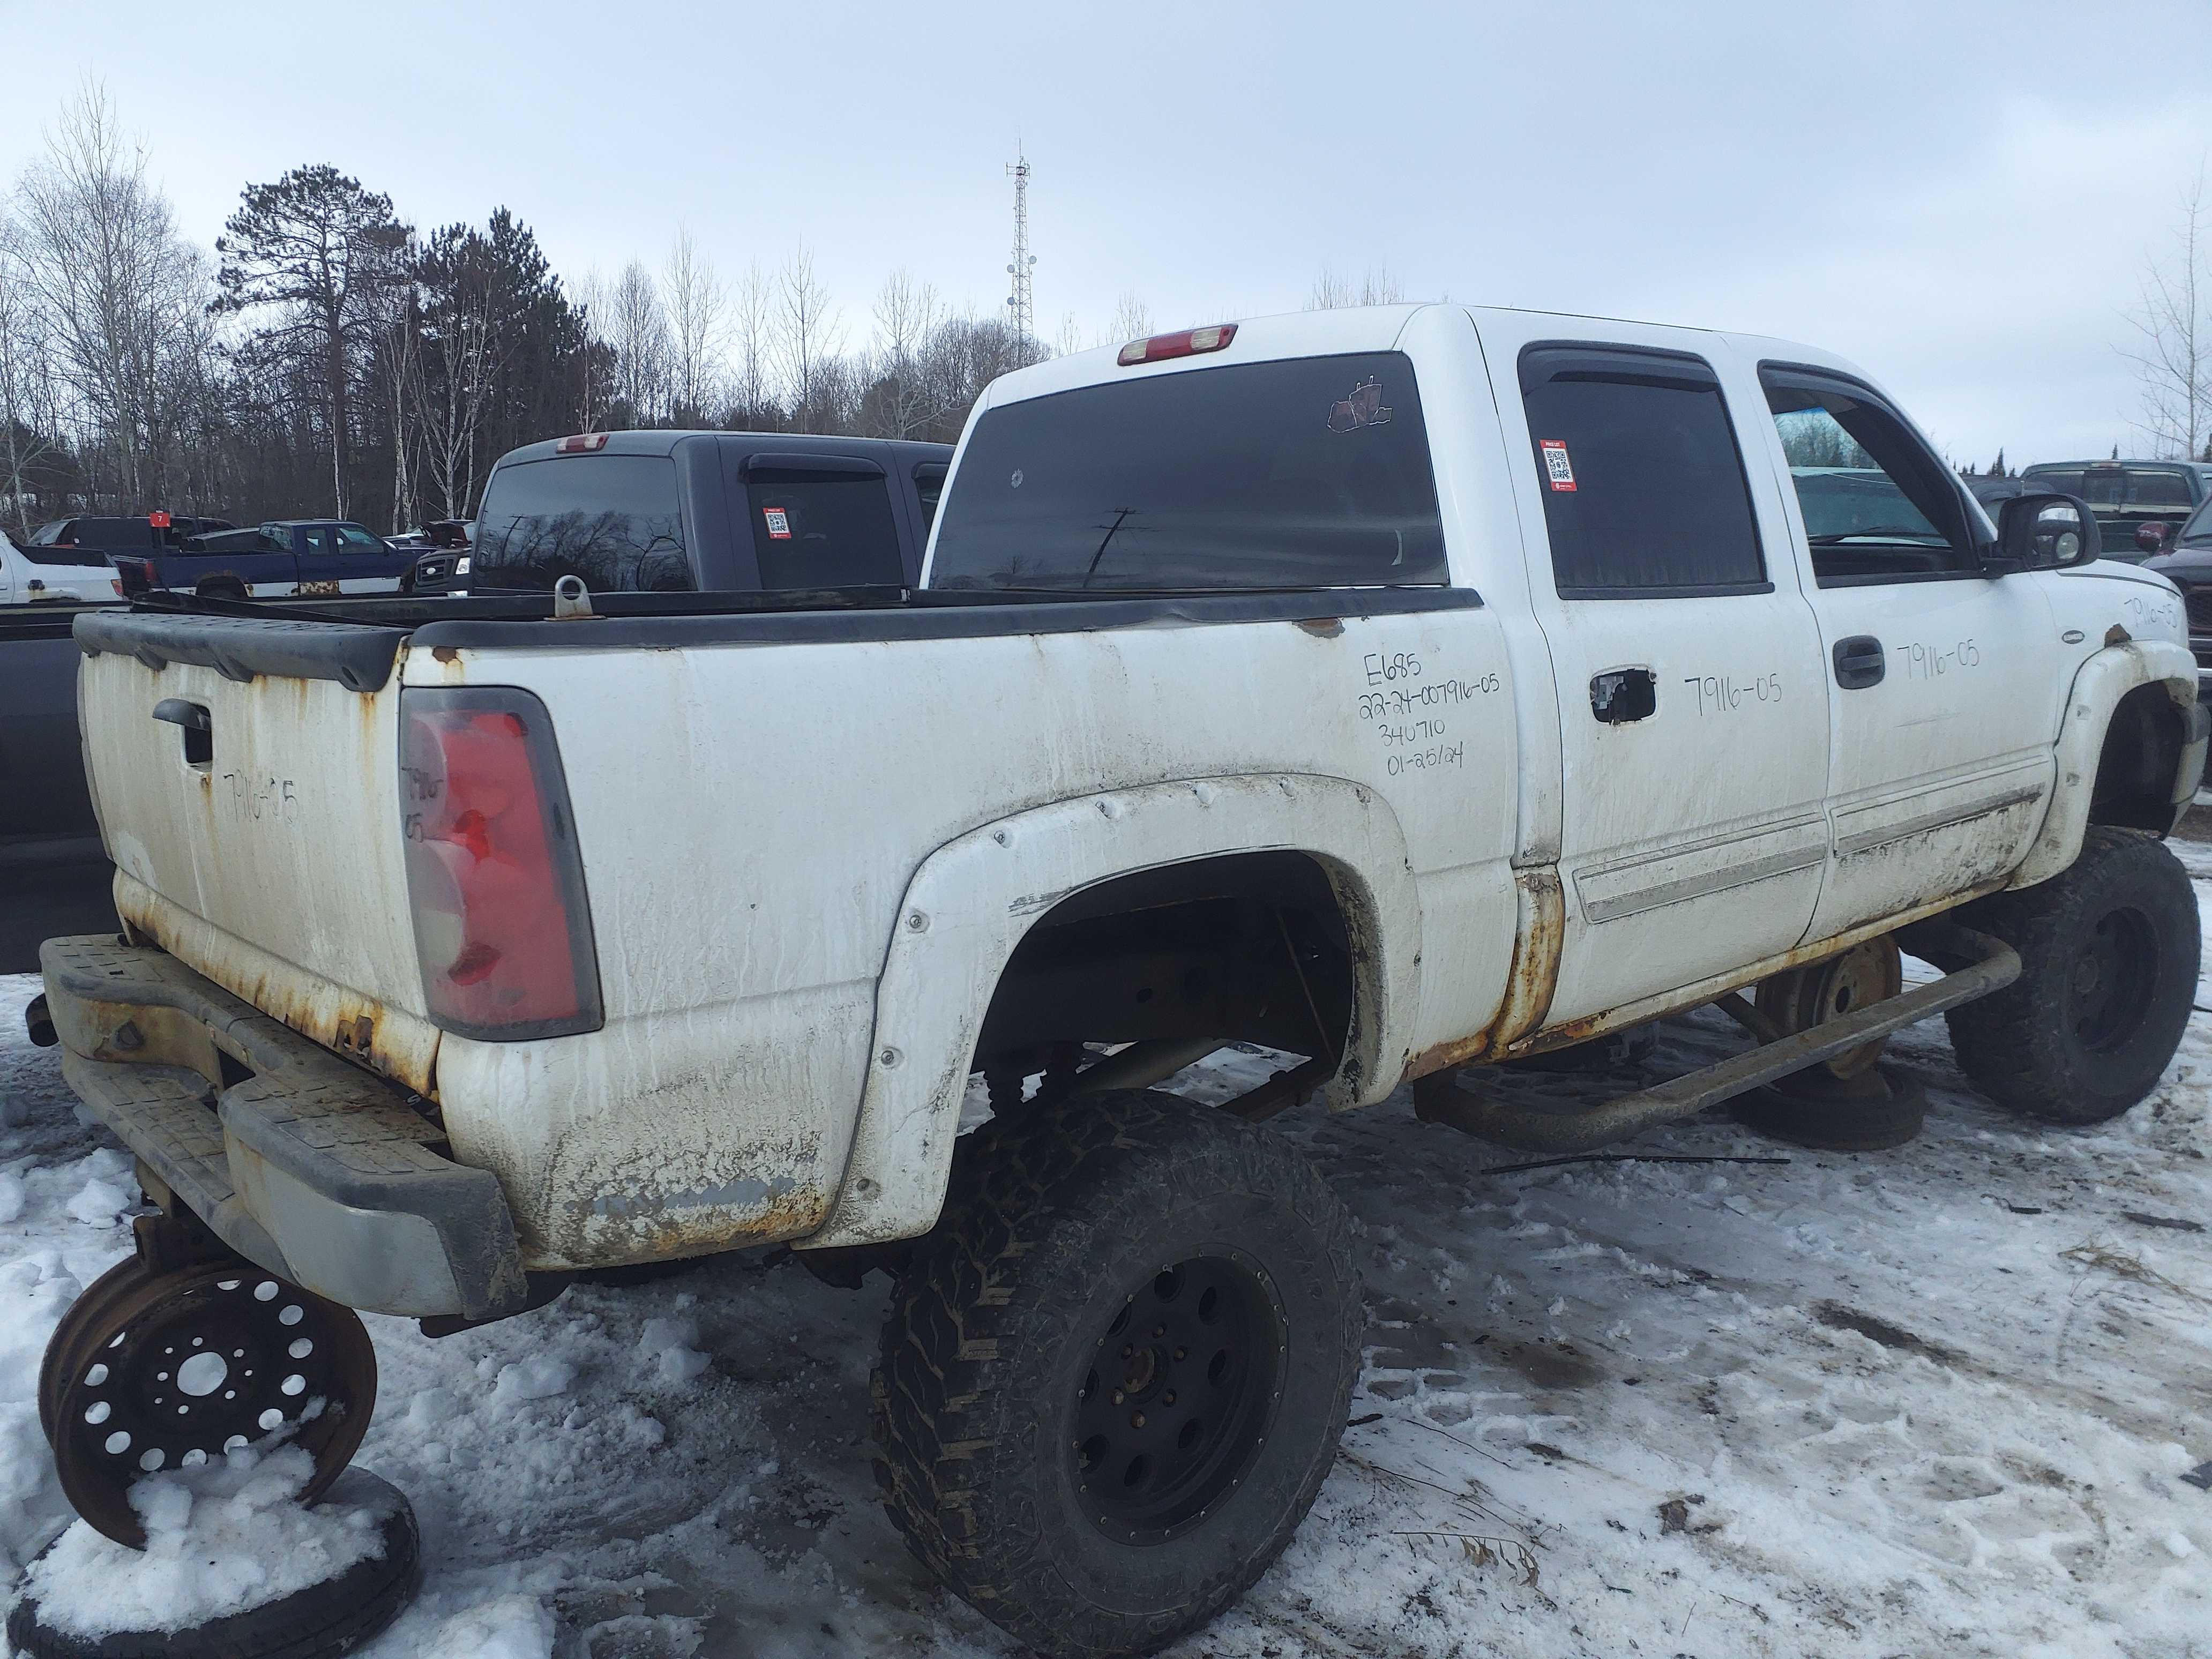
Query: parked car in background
[[29, 575], [282, 559], [2139, 504], [2187, 563], [135, 532], [441, 555]]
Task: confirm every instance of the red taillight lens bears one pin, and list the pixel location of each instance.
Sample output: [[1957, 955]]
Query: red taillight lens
[[581, 443], [495, 878], [1188, 343]]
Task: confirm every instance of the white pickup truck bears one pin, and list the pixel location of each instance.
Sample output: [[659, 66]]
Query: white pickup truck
[[1402, 689]]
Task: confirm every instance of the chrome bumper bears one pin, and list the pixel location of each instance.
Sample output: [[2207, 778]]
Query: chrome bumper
[[308, 1166]]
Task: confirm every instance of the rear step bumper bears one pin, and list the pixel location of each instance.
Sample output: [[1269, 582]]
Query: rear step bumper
[[311, 1168]]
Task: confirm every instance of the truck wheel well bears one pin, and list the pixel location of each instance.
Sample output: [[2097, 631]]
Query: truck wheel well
[[2135, 769], [1246, 947], [226, 587]]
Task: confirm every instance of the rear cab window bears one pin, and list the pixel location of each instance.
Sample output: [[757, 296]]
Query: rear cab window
[[1309, 472], [614, 521], [820, 521]]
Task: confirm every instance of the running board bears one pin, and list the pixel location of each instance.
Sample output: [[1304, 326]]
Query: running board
[[1539, 1125]]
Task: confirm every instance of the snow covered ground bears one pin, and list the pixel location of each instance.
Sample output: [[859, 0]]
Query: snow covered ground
[[1939, 1398]]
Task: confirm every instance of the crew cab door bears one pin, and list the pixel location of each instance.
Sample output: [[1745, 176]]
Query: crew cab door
[[1693, 709], [1947, 683]]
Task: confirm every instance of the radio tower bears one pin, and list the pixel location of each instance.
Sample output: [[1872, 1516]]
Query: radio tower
[[1020, 302]]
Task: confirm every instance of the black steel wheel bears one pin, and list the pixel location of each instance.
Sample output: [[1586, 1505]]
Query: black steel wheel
[[2109, 952], [1123, 1244], [189, 1365], [1179, 1395], [81, 1327]]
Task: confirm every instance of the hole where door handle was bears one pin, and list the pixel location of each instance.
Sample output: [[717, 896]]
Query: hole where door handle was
[[1621, 695]]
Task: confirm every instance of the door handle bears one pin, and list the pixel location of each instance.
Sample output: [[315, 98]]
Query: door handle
[[1859, 662], [193, 716]]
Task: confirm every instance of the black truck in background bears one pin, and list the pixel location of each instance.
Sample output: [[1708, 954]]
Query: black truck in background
[[719, 512]]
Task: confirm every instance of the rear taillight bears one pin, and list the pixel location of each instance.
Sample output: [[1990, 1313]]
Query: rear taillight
[[495, 876], [581, 443]]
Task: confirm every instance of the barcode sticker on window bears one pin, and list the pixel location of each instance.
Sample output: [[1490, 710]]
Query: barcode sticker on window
[[1557, 467], [779, 523]]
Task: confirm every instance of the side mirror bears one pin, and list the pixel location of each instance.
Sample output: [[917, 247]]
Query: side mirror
[[2046, 532], [2153, 534]]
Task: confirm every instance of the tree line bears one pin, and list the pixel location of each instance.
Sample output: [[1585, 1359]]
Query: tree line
[[332, 359]]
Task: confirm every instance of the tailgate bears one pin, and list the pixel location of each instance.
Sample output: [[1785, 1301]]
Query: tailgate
[[247, 775]]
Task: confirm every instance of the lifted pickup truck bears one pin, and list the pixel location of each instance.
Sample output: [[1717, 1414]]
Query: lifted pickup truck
[[1405, 690]]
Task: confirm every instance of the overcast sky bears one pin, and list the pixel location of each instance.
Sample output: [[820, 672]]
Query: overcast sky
[[1959, 196]]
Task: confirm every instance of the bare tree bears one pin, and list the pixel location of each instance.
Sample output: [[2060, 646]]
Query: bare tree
[[1333, 292], [806, 337], [898, 404], [1132, 318], [25, 385], [752, 317], [2172, 321], [111, 279], [695, 305], [637, 329]]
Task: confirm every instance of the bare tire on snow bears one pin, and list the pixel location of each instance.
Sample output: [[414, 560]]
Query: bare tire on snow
[[333, 1617], [2109, 956], [1113, 1379]]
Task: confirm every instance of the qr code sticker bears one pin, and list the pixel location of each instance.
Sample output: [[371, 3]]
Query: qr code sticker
[[779, 523], [1557, 467]]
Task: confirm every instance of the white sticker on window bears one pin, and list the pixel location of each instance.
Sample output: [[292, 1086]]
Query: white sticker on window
[[1560, 471], [779, 523]]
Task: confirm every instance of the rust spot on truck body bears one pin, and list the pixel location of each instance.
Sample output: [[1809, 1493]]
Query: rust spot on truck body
[[345, 1022], [1568, 1033], [1530, 981]]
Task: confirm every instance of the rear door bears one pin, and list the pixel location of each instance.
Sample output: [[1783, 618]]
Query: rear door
[[1947, 683], [1692, 711]]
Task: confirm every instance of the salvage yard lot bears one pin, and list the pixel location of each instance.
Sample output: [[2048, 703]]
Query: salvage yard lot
[[1936, 1398]]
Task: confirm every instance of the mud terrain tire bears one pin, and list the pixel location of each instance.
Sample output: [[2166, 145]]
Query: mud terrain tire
[[1114, 1377], [2109, 955]]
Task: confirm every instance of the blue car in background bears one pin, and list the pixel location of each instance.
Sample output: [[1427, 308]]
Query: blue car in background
[[286, 558]]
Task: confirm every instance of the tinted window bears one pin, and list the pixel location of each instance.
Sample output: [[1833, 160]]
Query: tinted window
[[1642, 482], [1307, 473], [2158, 491], [1876, 504], [353, 539], [929, 485], [823, 530], [614, 521], [2063, 481]]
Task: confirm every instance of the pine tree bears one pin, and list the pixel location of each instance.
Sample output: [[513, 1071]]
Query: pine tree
[[326, 254]]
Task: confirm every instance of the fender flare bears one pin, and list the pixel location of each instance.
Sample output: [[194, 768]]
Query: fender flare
[[974, 899], [2098, 684]]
